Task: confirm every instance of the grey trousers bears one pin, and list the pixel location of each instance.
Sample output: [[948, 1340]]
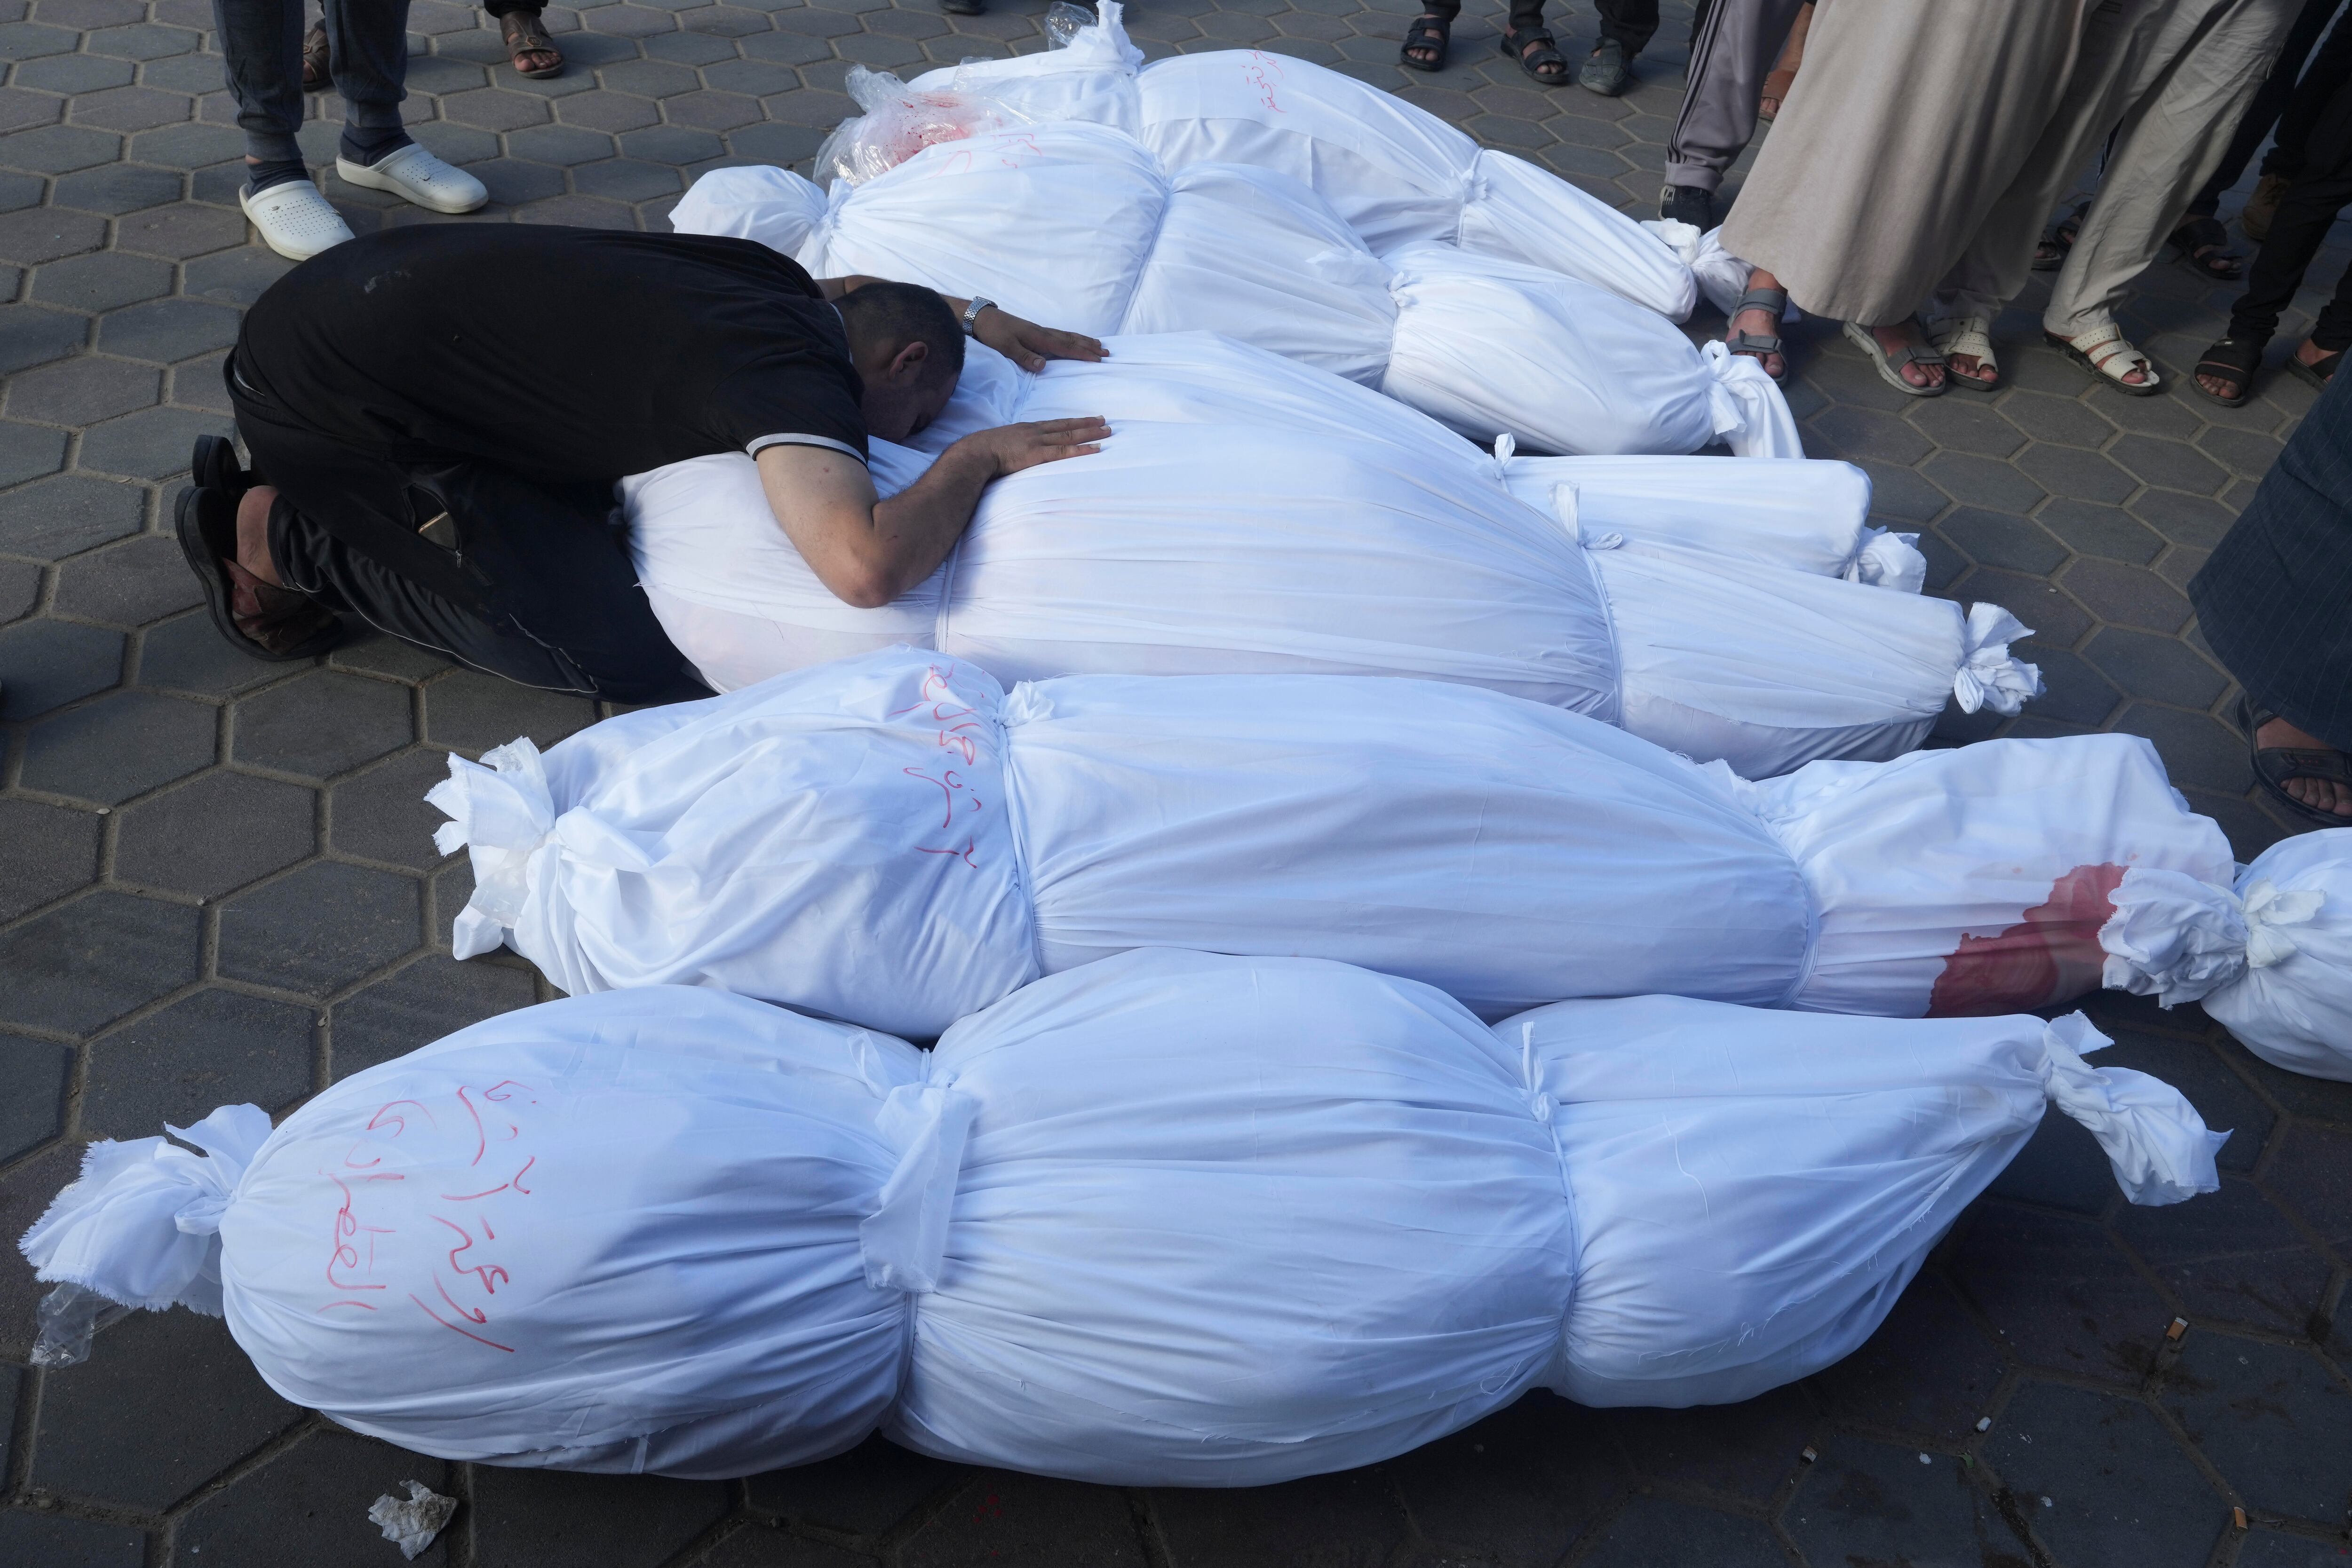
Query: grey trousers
[[262, 42], [1737, 46]]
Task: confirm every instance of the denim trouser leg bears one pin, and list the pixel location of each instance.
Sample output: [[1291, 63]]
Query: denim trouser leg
[[368, 43]]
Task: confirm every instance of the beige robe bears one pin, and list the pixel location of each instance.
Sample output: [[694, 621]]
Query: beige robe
[[1909, 121]]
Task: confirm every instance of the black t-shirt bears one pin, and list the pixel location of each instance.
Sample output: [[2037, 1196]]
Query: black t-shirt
[[558, 353]]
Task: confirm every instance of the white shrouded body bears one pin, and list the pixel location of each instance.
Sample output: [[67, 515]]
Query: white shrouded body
[[1167, 1220], [1251, 514], [896, 841]]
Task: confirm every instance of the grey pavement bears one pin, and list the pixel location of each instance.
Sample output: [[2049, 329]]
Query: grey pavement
[[216, 885]]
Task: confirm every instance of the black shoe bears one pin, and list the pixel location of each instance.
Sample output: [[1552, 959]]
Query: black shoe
[[1606, 70], [214, 467], [963, 7], [1687, 204]]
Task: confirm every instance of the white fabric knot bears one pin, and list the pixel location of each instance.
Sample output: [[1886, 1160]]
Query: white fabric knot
[[1749, 414], [905, 1240], [1568, 507], [1987, 676], [1889, 560], [142, 1225], [2267, 909], [2159, 1146], [501, 813], [1505, 445]]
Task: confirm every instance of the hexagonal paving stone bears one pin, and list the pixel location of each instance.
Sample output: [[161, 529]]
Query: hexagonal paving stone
[[59, 149], [2127, 596], [220, 1412], [129, 584], [431, 998], [2069, 471], [152, 444], [1999, 540], [131, 107], [215, 1047], [122, 745], [309, 1504], [473, 712], [1654, 1532], [863, 1492], [2121, 1491], [62, 1541], [755, 1545], [117, 187], [189, 654], [2233, 1257], [58, 518], [527, 1519], [44, 234], [319, 928], [28, 451], [1520, 1487], [74, 73], [2097, 529], [1871, 1502], [368, 649], [2313, 1177], [494, 109], [607, 111], [141, 41], [2145, 665], [82, 390], [52, 663], [235, 276], [2198, 751], [30, 334], [1024, 1518], [85, 964], [1744, 1450], [381, 815], [20, 588], [168, 330], [33, 1111], [321, 723], [180, 231], [2060, 1293], [1928, 1370], [215, 833], [45, 852]]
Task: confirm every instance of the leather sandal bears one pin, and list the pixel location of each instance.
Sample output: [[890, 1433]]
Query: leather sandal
[[1427, 31], [261, 619], [2106, 354], [2317, 375], [1534, 48], [2274, 765], [1761, 344], [2235, 360], [525, 36], [318, 66], [1972, 336], [2204, 246], [1889, 362]]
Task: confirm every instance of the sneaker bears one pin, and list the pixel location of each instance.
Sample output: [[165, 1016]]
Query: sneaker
[[1605, 71], [294, 219], [2262, 205], [1687, 204], [416, 175]]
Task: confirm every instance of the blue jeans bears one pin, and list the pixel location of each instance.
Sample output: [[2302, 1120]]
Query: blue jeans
[[262, 40]]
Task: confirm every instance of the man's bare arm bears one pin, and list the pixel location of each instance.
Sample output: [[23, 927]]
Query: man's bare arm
[[867, 552], [1025, 343]]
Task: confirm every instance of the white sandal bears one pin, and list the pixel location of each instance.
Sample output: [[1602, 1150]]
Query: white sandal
[[1972, 336], [2105, 354], [416, 175], [294, 220]]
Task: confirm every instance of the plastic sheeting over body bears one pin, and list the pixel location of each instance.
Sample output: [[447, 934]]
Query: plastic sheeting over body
[[1249, 514], [1509, 853], [1170, 1219]]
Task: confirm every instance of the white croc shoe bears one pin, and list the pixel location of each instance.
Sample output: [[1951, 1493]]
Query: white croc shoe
[[416, 175], [294, 219]]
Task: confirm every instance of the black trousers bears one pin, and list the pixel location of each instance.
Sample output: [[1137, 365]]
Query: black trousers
[[525, 579], [2280, 103], [1629, 21], [2306, 214]]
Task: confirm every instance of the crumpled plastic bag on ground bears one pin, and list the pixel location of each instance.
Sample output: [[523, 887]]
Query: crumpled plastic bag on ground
[[900, 121], [413, 1524]]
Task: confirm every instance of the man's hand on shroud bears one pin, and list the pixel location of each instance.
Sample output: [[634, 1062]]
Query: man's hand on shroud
[[1013, 447], [1028, 345]]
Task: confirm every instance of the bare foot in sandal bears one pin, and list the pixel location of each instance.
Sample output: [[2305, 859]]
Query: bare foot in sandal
[[2319, 794], [1759, 323], [530, 50], [1425, 41], [1908, 334]]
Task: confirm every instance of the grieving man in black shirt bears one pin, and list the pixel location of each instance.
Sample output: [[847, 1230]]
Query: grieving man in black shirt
[[440, 463]]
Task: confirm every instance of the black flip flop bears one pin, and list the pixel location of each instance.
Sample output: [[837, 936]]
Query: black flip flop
[[2318, 375], [206, 524], [1425, 33], [2237, 358], [2219, 263], [2274, 765], [1515, 45]]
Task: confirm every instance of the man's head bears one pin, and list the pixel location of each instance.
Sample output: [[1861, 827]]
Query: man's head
[[908, 348]]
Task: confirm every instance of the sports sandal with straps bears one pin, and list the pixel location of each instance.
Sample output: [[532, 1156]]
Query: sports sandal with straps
[[525, 37], [1972, 336], [1533, 49], [1427, 31], [2231, 360], [2106, 355], [1761, 344], [1889, 362], [2274, 765]]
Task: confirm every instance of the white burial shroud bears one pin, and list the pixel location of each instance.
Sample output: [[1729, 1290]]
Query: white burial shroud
[[895, 841], [1250, 514], [1170, 1219]]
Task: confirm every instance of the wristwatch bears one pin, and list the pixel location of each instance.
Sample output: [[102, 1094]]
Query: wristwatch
[[971, 313]]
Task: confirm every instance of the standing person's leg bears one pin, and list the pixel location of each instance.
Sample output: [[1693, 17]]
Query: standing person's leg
[[1734, 49], [2270, 101], [2187, 98], [2304, 215], [528, 48], [370, 44], [1428, 35], [261, 50], [1626, 26], [1529, 42]]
